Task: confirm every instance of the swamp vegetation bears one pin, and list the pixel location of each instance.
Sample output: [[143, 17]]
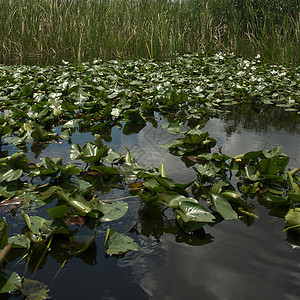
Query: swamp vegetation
[[167, 65], [47, 31], [41, 106]]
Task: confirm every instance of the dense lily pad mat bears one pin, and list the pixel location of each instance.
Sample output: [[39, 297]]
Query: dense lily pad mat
[[43, 105]]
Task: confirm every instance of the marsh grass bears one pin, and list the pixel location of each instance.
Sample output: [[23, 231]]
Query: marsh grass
[[47, 31]]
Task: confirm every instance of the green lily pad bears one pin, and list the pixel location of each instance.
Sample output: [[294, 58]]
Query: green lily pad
[[292, 219], [173, 199], [34, 290], [58, 211], [134, 116], [19, 241], [113, 211], [118, 243], [223, 207], [190, 211], [9, 281]]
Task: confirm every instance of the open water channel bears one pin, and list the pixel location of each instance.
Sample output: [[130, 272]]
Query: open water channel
[[227, 261]]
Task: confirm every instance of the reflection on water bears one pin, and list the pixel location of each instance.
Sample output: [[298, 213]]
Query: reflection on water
[[240, 131], [260, 119], [243, 262], [225, 261]]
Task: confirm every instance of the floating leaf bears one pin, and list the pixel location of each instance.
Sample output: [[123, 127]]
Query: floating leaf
[[112, 157], [9, 281], [11, 175], [75, 151], [34, 290], [19, 241], [58, 211], [173, 127], [173, 199], [294, 196], [134, 116], [292, 219], [190, 226], [223, 207], [190, 211], [40, 134], [71, 124], [113, 211], [118, 243]]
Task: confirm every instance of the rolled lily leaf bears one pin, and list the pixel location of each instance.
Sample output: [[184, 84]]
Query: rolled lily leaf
[[76, 201], [134, 116], [162, 170]]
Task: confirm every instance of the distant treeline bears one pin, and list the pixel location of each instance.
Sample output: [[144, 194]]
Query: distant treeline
[[47, 31]]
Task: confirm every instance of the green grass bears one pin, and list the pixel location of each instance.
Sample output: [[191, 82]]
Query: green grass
[[47, 31]]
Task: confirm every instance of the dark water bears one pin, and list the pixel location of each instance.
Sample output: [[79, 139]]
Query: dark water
[[228, 261]]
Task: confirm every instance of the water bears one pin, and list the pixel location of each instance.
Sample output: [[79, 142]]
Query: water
[[226, 261]]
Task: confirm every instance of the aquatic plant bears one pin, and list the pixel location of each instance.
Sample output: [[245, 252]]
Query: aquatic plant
[[41, 106]]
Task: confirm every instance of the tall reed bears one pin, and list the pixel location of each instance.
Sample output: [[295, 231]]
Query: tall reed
[[47, 31]]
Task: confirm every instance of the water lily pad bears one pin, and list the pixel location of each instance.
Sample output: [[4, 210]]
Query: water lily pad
[[173, 199], [223, 207], [118, 243], [292, 219], [10, 175], [113, 211], [9, 281], [34, 290], [58, 211], [190, 211], [19, 241]]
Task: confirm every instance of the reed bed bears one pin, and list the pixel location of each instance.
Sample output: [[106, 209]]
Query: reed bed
[[48, 31]]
